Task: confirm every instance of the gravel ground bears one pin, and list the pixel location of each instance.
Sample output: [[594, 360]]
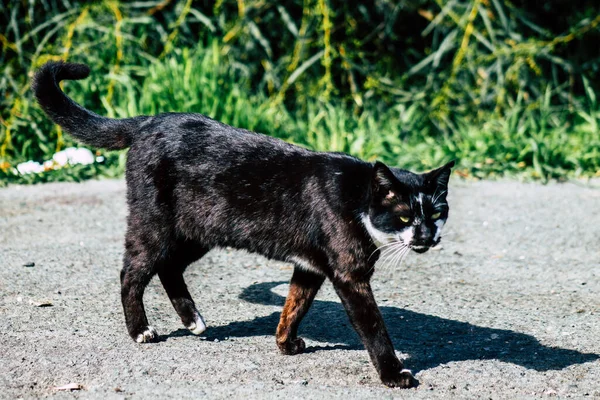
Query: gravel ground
[[508, 308]]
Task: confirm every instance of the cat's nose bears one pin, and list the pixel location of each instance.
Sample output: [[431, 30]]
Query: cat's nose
[[422, 235]]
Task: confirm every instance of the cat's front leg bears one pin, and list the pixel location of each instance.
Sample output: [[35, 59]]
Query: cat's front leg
[[364, 314]]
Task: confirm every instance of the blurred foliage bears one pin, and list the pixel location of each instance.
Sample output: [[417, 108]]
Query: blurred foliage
[[506, 87]]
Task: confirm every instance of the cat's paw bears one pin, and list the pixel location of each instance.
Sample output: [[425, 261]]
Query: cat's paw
[[198, 326], [149, 335], [403, 379], [292, 347]]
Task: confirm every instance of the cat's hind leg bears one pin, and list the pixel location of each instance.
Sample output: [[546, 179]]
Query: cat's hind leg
[[303, 289], [140, 263], [171, 276]]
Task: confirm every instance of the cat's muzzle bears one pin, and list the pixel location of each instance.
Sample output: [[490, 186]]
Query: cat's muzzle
[[423, 247]]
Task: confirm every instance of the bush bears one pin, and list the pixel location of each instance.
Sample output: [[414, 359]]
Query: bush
[[505, 87]]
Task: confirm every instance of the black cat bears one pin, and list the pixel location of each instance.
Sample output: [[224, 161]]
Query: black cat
[[194, 184]]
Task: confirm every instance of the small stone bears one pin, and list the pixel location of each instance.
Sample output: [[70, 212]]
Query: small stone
[[41, 303], [70, 387]]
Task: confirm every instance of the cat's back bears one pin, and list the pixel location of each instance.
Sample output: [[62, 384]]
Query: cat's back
[[197, 138], [197, 151]]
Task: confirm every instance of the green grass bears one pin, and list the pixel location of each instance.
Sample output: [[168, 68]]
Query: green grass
[[535, 143], [505, 87]]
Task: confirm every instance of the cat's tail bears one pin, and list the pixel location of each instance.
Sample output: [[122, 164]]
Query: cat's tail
[[86, 126]]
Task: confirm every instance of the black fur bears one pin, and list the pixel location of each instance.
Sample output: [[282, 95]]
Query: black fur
[[195, 184], [90, 128]]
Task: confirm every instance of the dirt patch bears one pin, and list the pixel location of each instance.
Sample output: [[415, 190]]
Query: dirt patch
[[508, 308]]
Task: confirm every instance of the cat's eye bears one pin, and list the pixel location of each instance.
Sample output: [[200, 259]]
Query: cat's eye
[[405, 219], [436, 215]]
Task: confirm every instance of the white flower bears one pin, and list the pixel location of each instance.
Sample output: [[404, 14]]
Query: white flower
[[73, 156], [30, 167], [69, 156]]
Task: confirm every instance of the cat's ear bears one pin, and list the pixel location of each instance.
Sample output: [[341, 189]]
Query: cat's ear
[[384, 184], [439, 177], [383, 179]]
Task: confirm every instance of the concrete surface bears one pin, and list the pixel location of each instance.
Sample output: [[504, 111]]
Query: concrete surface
[[508, 308]]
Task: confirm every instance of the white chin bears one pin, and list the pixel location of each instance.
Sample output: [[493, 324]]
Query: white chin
[[420, 249]]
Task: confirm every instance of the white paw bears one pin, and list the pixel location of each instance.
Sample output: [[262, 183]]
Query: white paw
[[149, 335], [198, 326]]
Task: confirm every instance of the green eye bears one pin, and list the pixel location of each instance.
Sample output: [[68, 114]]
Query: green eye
[[405, 219], [436, 215]]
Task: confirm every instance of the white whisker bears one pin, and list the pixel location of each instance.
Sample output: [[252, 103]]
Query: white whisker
[[403, 258], [381, 247], [391, 254], [388, 250], [388, 253], [398, 255]]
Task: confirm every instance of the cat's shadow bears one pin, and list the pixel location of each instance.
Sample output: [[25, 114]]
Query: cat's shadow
[[429, 340]]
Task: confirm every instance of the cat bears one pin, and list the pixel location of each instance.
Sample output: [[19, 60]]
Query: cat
[[194, 184]]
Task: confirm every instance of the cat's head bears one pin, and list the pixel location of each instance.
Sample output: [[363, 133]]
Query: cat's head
[[407, 211]]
